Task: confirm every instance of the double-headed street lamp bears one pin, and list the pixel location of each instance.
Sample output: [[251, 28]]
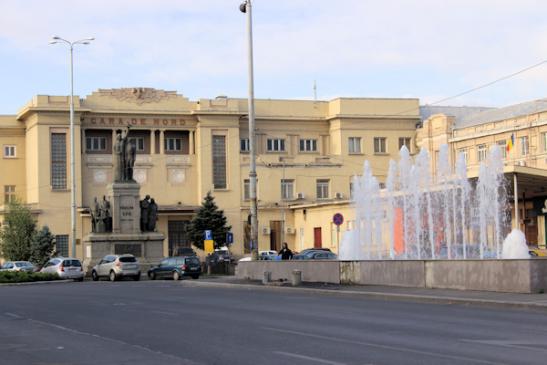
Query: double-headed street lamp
[[245, 7], [55, 40]]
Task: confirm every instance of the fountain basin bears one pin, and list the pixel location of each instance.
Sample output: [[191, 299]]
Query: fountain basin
[[512, 276]]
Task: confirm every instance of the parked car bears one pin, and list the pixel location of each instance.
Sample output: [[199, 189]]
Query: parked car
[[219, 255], [537, 252], [176, 268], [268, 255], [315, 255], [185, 251], [65, 267], [18, 266], [115, 267]]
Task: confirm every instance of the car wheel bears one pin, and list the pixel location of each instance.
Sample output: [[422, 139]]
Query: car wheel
[[176, 276], [195, 276], [152, 275], [94, 275], [112, 276], [137, 277]]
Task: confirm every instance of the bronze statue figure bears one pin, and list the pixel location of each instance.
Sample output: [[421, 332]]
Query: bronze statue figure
[[125, 151], [144, 204], [152, 215]]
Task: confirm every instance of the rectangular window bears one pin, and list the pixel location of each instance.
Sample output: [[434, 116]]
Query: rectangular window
[[9, 194], [138, 142], [481, 152], [380, 145], [463, 151], [404, 141], [287, 189], [544, 138], [58, 161], [95, 144], [9, 151], [503, 147], [354, 145], [246, 189], [276, 145], [351, 189], [61, 245], [524, 147], [244, 145], [173, 144], [322, 189], [219, 162], [308, 145]]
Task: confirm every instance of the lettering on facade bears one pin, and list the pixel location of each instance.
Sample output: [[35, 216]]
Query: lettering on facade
[[142, 122]]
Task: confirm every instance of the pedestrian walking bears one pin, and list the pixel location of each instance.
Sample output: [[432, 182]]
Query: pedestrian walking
[[286, 253]]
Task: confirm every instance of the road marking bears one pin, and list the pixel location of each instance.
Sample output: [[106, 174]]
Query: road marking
[[385, 347], [12, 315], [517, 344], [166, 313], [316, 359]]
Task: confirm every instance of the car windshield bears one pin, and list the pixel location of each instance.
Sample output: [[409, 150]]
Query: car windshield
[[127, 259], [73, 263], [23, 264]]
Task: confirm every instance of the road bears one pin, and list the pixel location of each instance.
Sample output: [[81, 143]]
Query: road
[[166, 322]]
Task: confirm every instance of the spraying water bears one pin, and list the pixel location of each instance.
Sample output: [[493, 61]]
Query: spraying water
[[420, 215]]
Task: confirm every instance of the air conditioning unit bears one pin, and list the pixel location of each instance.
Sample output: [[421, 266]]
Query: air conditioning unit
[[521, 163], [266, 230], [300, 196], [290, 230], [339, 196]]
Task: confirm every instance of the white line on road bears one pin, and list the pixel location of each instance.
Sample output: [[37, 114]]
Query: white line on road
[[386, 347], [303, 357], [12, 315]]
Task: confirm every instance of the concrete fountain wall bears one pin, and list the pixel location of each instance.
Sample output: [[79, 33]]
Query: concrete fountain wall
[[515, 276]]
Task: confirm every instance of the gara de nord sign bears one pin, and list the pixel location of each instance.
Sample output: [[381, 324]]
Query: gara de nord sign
[[135, 121]]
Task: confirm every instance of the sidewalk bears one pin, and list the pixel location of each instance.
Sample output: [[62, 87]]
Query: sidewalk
[[440, 296]]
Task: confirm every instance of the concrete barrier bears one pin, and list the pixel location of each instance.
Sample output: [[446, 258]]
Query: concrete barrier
[[312, 271], [513, 276]]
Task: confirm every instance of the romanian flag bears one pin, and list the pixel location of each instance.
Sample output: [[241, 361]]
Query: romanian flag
[[511, 142]]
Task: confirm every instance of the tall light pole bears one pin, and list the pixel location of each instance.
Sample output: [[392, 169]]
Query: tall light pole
[[55, 40], [245, 7]]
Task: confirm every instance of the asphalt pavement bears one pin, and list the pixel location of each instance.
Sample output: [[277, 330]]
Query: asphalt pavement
[[166, 322]]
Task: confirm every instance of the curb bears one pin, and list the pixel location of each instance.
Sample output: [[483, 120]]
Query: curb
[[381, 295], [38, 282]]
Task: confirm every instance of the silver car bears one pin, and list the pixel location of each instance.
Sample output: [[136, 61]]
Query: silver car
[[116, 267], [18, 266], [65, 267]]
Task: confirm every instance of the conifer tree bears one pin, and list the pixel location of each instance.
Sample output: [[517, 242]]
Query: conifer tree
[[42, 246], [209, 217]]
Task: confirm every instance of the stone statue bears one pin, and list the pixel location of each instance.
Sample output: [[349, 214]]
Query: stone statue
[[98, 217], [94, 213], [107, 214], [152, 215], [125, 152], [145, 205], [130, 156]]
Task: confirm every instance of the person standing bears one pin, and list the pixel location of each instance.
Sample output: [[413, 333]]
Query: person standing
[[286, 253]]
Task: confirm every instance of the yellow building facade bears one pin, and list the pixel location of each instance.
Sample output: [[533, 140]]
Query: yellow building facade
[[307, 153]]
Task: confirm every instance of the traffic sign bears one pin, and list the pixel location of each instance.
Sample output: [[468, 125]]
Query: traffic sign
[[338, 219], [229, 237], [208, 234]]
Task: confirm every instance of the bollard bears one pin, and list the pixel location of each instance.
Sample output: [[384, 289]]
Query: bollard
[[267, 277], [296, 278]]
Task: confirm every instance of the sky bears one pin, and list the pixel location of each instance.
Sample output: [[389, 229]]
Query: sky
[[350, 48]]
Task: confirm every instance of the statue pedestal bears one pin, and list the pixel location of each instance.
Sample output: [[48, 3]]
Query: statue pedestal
[[126, 236], [126, 214]]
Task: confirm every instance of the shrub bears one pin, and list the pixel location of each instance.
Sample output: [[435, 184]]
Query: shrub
[[23, 277]]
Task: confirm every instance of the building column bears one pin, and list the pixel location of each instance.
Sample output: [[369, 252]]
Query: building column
[[152, 142], [162, 141], [516, 198], [191, 146]]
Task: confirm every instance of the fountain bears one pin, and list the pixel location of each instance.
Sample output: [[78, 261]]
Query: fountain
[[425, 216]]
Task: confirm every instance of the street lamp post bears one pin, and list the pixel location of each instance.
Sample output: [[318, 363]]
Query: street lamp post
[[245, 7], [55, 40]]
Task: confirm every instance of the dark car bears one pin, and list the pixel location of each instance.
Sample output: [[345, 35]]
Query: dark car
[[315, 255], [176, 268], [185, 251]]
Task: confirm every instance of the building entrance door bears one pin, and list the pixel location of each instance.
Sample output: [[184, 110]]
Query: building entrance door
[[177, 236], [275, 235], [317, 242]]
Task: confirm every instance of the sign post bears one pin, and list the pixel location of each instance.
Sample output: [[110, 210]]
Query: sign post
[[338, 219], [208, 244]]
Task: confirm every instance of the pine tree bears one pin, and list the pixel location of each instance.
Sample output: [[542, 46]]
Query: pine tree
[[209, 217], [17, 233], [42, 246]]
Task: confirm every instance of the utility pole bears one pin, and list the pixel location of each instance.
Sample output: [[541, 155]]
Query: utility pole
[[246, 8]]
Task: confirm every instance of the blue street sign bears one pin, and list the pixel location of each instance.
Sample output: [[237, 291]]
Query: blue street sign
[[338, 219], [229, 237], [208, 234]]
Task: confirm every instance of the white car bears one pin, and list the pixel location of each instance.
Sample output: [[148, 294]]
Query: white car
[[18, 266], [65, 267], [262, 255], [115, 267]]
